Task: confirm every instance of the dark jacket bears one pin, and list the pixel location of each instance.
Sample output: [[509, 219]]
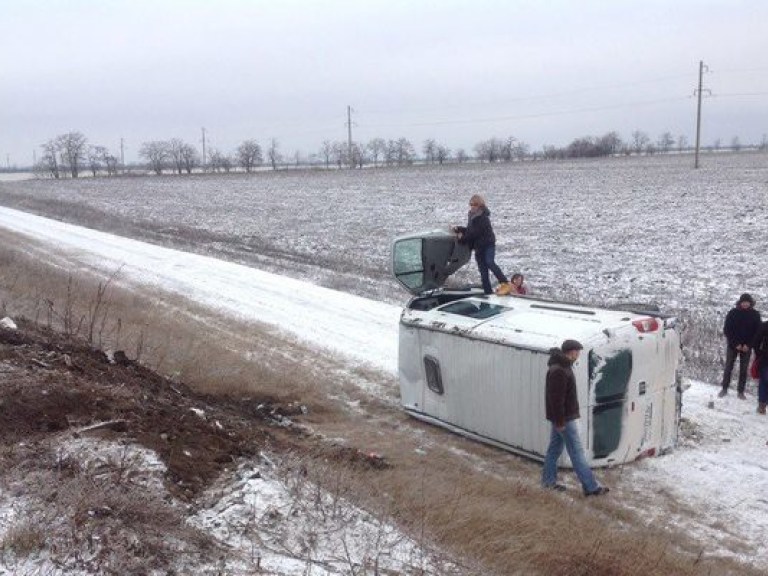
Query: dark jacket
[[760, 344], [478, 233], [562, 400], [741, 326]]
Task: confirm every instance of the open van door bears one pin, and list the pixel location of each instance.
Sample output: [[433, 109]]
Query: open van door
[[422, 262]]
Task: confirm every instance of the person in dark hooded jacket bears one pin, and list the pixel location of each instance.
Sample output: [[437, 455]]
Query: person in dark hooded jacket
[[741, 325], [478, 235], [562, 410]]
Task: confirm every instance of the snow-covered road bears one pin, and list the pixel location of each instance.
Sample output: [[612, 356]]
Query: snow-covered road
[[720, 474], [359, 329]]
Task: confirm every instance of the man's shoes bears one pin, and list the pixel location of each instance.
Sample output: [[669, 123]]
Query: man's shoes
[[556, 487], [598, 492], [741, 396], [761, 408], [504, 289], [722, 393]]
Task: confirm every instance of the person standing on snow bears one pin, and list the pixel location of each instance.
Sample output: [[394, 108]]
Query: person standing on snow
[[562, 405], [760, 346], [741, 325], [478, 235]]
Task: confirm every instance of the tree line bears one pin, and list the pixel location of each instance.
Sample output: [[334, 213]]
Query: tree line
[[70, 153]]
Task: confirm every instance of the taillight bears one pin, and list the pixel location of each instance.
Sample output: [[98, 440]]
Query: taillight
[[646, 324]]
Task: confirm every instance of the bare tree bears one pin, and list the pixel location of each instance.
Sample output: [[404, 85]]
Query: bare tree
[[735, 144], [249, 155], [175, 147], [49, 160], [339, 153], [552, 152], [404, 151], [72, 148], [521, 150], [682, 143], [610, 143], [358, 155], [378, 149], [96, 158], [156, 155], [390, 153], [665, 142], [489, 150], [639, 141], [506, 149], [214, 159], [429, 148], [189, 157], [273, 153], [326, 152], [109, 160], [461, 156], [442, 154], [764, 142]]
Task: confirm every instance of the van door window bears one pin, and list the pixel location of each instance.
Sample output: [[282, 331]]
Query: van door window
[[408, 263], [609, 377], [434, 378]]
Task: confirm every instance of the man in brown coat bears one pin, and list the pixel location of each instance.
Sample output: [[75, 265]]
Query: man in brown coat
[[562, 411]]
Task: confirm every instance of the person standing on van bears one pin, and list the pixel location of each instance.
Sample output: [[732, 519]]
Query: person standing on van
[[760, 346], [478, 235], [741, 325], [563, 411]]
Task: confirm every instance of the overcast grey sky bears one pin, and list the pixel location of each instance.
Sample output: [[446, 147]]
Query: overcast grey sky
[[544, 71]]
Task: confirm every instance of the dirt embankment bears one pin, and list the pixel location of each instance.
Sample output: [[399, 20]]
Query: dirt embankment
[[50, 384]]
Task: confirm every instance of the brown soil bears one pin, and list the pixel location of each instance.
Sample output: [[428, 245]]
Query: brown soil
[[49, 384]]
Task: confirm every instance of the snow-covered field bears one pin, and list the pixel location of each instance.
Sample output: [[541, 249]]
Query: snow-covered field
[[718, 471], [639, 229]]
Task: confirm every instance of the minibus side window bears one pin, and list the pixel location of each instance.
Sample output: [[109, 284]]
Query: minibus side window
[[434, 378]]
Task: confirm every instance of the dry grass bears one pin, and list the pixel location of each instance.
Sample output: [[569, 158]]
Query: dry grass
[[481, 505], [94, 518]]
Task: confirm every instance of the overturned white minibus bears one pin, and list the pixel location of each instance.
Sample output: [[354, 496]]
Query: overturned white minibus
[[476, 364]]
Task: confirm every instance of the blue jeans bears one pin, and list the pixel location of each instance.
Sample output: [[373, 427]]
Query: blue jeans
[[486, 260], [570, 437], [762, 387]]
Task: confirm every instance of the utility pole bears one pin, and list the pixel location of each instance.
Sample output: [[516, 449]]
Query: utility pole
[[203, 149], [349, 136], [698, 111]]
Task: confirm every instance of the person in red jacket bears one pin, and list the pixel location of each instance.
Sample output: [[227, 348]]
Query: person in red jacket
[[517, 284], [562, 408], [741, 325]]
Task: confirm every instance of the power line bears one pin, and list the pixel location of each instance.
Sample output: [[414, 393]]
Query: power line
[[554, 95], [743, 94], [530, 116]]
